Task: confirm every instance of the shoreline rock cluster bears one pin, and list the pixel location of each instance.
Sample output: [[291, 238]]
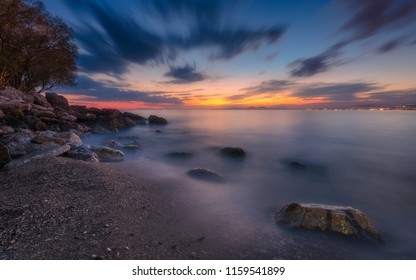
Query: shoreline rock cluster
[[34, 126]]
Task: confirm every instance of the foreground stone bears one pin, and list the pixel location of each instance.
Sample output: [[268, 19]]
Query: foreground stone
[[206, 175], [107, 154], [328, 218], [81, 152], [37, 155], [233, 152]]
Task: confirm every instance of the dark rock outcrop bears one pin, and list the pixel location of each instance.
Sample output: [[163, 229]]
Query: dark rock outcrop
[[342, 220], [155, 120], [56, 100], [205, 175], [233, 152], [81, 152], [294, 165]]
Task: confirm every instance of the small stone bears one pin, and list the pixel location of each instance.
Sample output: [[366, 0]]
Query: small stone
[[108, 249], [206, 175]]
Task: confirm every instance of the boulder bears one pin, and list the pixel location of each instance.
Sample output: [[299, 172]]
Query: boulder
[[56, 100], [205, 175], [107, 154], [40, 100], [4, 155], [41, 139], [118, 145], [6, 129], [343, 220], [18, 143], [69, 137], [155, 120], [139, 120], [233, 152], [46, 114], [37, 155], [81, 152]]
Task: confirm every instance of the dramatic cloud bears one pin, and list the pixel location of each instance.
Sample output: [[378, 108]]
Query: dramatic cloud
[[305, 67], [335, 92], [111, 39], [372, 16], [105, 90], [184, 75], [369, 18]]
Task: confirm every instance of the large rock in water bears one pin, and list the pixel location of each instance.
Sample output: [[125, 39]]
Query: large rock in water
[[339, 219], [107, 154], [155, 120], [206, 175], [233, 152]]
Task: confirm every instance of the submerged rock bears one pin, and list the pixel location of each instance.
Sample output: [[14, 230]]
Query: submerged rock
[[155, 120], [81, 152], [206, 175], [338, 219], [115, 144], [107, 154], [297, 165], [233, 152]]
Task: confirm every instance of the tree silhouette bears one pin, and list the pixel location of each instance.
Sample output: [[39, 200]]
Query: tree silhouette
[[36, 48]]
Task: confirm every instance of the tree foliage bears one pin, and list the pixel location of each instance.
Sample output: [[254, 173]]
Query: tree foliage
[[36, 49]]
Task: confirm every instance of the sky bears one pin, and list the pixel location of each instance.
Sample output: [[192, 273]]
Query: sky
[[282, 54]]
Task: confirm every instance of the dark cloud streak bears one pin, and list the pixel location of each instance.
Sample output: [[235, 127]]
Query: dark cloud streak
[[185, 74]]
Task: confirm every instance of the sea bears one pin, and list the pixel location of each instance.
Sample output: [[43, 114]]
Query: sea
[[363, 159]]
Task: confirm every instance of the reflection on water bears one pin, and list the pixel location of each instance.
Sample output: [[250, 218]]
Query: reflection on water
[[363, 159]]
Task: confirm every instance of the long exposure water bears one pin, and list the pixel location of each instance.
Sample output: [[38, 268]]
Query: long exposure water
[[363, 159]]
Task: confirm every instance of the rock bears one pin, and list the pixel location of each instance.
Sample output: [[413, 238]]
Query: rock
[[233, 152], [40, 100], [12, 94], [69, 137], [1, 115], [4, 155], [18, 143], [37, 155], [297, 165], [46, 114], [155, 120], [82, 153], [14, 122], [180, 155], [41, 139], [118, 145], [38, 125], [6, 129], [338, 219], [205, 175], [17, 113], [56, 100], [139, 120], [107, 154], [158, 131]]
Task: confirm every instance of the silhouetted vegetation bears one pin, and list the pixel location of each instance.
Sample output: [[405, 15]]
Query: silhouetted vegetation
[[36, 49]]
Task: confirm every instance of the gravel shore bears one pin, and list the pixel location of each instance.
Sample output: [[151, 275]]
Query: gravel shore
[[67, 209]]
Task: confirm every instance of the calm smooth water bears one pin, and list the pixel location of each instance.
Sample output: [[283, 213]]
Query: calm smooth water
[[363, 159]]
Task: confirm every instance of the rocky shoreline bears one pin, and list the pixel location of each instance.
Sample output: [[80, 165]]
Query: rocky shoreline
[[35, 126]]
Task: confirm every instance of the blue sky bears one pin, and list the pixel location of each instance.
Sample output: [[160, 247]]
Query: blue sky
[[242, 54]]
